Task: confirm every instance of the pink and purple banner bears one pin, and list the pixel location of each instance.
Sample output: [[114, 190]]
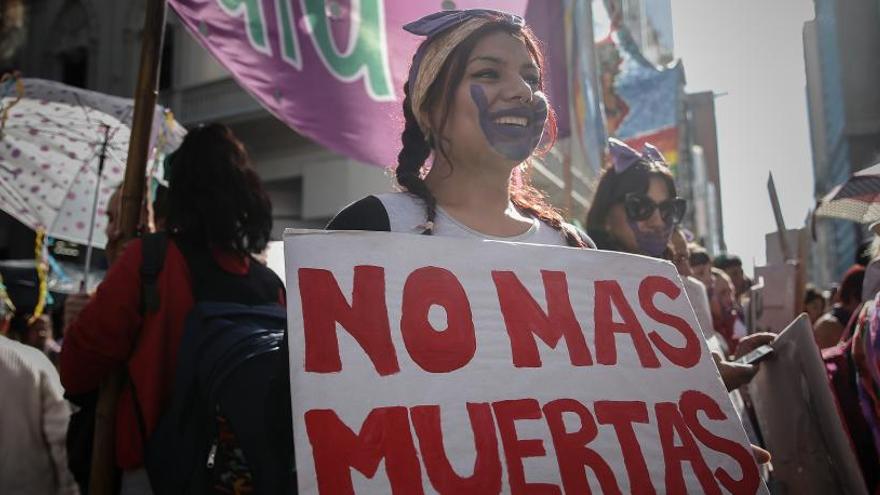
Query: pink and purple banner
[[334, 70]]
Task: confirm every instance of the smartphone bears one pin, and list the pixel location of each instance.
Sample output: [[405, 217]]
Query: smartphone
[[757, 355]]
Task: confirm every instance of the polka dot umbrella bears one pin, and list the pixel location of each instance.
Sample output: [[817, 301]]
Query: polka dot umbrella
[[857, 199], [51, 137]]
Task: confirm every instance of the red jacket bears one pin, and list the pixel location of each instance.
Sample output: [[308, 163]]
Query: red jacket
[[111, 331]]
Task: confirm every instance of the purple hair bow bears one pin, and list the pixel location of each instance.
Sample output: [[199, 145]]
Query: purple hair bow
[[623, 156], [434, 24]]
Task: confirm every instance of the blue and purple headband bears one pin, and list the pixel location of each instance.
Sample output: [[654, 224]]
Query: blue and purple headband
[[443, 31], [433, 24]]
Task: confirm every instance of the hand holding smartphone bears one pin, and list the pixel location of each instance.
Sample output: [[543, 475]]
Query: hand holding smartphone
[[757, 355]]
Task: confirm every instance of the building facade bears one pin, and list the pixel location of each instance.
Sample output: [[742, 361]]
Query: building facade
[[701, 143], [650, 23], [687, 133], [842, 62]]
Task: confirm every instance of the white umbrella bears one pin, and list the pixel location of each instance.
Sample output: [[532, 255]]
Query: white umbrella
[[857, 199], [51, 138]]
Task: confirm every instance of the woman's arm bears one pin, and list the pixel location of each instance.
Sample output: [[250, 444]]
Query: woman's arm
[[102, 336]]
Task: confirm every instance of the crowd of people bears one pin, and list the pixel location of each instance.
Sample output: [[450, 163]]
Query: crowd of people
[[475, 113]]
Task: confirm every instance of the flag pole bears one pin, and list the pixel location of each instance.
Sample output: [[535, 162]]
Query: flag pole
[[145, 97], [102, 480]]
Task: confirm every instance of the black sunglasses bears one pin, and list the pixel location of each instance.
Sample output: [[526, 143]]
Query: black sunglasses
[[640, 207]]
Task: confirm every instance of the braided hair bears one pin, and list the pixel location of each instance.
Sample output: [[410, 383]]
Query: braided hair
[[417, 147], [530, 200], [412, 157]]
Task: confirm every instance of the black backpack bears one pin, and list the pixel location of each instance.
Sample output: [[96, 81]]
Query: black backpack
[[230, 413]]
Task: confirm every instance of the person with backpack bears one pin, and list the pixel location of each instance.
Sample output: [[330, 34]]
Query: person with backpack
[[167, 292]]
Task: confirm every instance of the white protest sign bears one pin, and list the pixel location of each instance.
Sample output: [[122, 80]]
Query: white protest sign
[[424, 364], [799, 419]]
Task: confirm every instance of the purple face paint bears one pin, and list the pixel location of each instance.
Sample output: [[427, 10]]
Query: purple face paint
[[651, 242], [512, 141]]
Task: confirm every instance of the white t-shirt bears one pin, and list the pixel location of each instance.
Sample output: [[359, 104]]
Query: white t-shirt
[[406, 213]]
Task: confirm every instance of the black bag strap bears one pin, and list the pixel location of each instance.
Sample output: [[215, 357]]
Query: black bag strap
[[211, 283], [154, 248]]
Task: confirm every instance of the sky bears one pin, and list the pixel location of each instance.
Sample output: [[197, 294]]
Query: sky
[[752, 51]]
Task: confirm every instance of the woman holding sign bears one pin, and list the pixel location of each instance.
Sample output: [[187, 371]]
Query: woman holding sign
[[475, 105]]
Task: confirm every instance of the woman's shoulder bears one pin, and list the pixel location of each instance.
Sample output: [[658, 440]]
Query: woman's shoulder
[[576, 233], [395, 212], [364, 214]]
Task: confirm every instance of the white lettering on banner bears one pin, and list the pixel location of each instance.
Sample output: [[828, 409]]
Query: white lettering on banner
[[553, 370], [286, 26], [365, 55], [254, 21]]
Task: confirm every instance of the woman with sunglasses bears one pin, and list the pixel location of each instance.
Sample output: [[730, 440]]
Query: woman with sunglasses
[[636, 208]]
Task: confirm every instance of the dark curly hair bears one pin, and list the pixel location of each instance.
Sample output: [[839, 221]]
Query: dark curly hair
[[215, 198], [417, 147]]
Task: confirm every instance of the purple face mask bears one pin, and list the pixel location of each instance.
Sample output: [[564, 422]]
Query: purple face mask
[[512, 141], [651, 242]]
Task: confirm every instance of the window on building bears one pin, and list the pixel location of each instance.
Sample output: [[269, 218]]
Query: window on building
[[75, 67], [167, 64]]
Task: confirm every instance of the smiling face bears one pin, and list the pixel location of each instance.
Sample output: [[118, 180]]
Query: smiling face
[[649, 236], [498, 111]]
